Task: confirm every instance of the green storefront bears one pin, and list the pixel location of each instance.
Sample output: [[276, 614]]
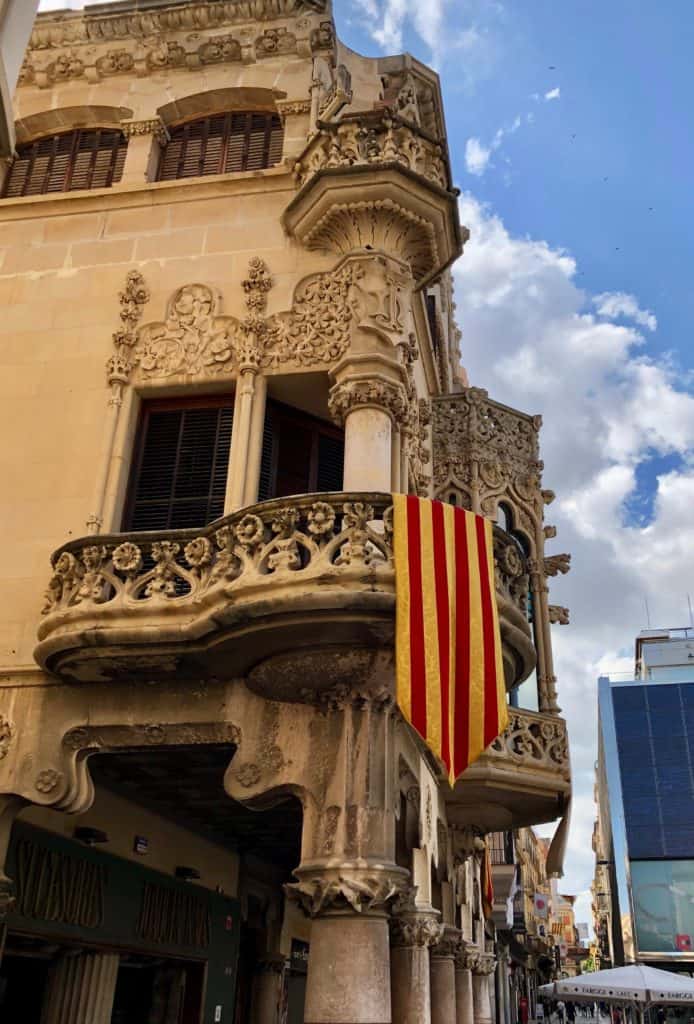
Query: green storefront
[[170, 948]]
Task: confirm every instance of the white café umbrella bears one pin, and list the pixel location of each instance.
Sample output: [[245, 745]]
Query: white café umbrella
[[634, 983]]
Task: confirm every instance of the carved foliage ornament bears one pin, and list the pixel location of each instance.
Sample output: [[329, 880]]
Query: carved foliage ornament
[[196, 339], [415, 930], [534, 742], [358, 889], [6, 735], [305, 537]]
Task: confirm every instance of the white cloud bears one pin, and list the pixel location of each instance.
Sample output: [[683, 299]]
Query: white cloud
[[608, 406], [615, 304], [553, 94], [476, 156]]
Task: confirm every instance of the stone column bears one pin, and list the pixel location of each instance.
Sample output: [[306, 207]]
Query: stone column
[[240, 436], [81, 989], [348, 978], [484, 968], [255, 441], [443, 999], [267, 989], [465, 960], [368, 406], [145, 139], [411, 935]]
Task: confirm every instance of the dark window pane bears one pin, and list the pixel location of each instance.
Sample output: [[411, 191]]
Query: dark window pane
[[301, 454], [179, 477]]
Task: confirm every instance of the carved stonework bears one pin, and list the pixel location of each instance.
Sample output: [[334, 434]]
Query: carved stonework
[[112, 737], [48, 780], [372, 139], [558, 615], [417, 929], [275, 42], [340, 888], [6, 735], [485, 965], [534, 742], [381, 224], [555, 564], [133, 299], [155, 126], [375, 393], [448, 945], [485, 453], [466, 958], [305, 537], [197, 339]]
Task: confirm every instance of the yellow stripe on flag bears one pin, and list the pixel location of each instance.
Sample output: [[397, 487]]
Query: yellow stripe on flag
[[449, 527], [402, 622], [476, 690], [500, 679]]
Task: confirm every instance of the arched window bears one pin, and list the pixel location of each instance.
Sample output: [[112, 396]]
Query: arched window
[[221, 144], [80, 159]]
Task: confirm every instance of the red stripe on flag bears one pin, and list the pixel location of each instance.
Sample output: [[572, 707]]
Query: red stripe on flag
[[442, 623], [491, 699], [462, 646], [418, 678]]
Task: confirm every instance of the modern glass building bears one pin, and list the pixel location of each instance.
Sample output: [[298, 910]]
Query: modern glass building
[[644, 839]]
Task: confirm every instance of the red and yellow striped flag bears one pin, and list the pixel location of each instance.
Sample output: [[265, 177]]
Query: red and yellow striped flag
[[450, 676]]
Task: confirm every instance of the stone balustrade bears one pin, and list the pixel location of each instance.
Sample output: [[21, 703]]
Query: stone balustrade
[[368, 139], [160, 599]]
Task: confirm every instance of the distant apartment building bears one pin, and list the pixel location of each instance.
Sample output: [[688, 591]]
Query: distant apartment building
[[643, 890]]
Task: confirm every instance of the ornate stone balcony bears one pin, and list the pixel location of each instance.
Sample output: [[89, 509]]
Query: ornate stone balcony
[[523, 778], [375, 181], [374, 140], [297, 593]]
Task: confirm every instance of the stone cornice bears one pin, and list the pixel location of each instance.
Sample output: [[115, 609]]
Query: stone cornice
[[139, 19]]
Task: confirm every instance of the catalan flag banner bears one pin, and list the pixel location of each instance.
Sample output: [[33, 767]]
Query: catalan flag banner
[[450, 677], [487, 885]]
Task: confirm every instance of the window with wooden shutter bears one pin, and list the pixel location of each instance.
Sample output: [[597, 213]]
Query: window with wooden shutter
[[180, 466], [221, 144], [81, 159], [301, 454]]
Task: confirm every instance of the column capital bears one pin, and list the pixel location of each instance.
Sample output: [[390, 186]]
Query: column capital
[[418, 929], [466, 958], [373, 392], [447, 947], [485, 964], [347, 889]]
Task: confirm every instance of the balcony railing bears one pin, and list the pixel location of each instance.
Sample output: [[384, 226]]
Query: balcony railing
[[373, 139], [174, 599]]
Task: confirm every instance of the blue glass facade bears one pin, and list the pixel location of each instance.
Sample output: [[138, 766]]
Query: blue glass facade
[[654, 727]]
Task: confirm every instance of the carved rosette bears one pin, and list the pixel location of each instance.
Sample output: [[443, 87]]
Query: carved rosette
[[6, 735], [415, 930], [340, 889], [386, 395]]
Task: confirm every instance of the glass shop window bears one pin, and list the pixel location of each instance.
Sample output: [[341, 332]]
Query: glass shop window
[[221, 144], [81, 159], [181, 460], [301, 454]]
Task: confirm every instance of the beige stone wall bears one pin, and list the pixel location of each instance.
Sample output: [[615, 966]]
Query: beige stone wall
[[170, 845]]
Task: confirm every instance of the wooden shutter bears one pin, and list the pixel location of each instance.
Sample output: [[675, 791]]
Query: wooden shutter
[[180, 470], [432, 317], [67, 162], [222, 143], [301, 454]]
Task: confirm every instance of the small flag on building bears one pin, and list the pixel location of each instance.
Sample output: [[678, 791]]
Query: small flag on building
[[487, 884], [450, 676]]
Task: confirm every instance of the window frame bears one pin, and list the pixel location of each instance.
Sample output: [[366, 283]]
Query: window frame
[[173, 404], [32, 148]]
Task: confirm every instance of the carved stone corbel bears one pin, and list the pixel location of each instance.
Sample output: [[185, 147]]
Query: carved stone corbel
[[418, 929]]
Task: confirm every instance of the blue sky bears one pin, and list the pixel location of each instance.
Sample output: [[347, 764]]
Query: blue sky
[[570, 125]]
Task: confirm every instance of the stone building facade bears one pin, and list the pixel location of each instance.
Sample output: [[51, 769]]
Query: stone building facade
[[227, 337]]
